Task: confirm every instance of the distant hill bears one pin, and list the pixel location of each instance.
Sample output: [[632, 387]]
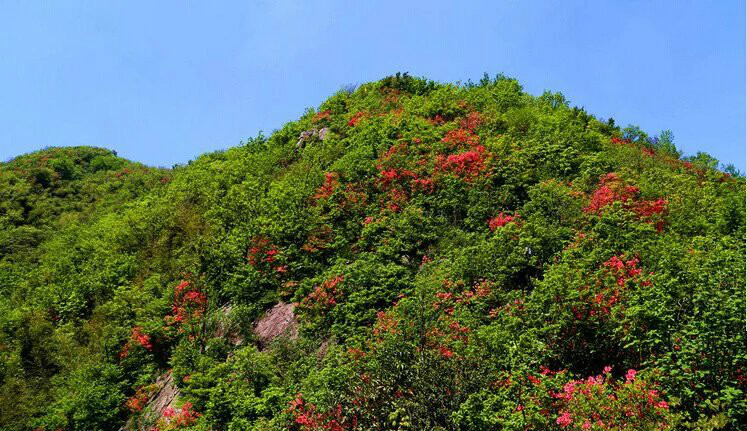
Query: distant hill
[[413, 255]]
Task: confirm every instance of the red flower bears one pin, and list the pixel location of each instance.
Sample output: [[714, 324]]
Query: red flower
[[446, 353], [467, 165], [501, 220], [324, 115], [356, 118], [331, 182], [612, 189]]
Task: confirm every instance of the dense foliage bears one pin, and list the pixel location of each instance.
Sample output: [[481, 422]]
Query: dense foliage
[[461, 257]]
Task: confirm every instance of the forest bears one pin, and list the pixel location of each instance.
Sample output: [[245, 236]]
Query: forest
[[442, 257]]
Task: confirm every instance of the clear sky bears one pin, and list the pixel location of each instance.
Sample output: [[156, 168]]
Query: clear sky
[[162, 82]]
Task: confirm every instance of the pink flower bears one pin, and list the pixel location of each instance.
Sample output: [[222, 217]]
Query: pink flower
[[564, 419], [630, 375], [586, 425], [169, 412], [607, 369]]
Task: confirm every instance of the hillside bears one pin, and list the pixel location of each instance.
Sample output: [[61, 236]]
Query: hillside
[[434, 256]]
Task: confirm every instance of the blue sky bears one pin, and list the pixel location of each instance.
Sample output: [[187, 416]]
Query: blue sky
[[162, 82]]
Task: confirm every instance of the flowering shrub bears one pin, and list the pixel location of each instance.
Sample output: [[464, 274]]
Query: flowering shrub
[[468, 165], [187, 309], [263, 255], [137, 338], [324, 296], [599, 298], [307, 418], [601, 403], [175, 419], [321, 116], [331, 182], [501, 220], [612, 189], [137, 402], [461, 138], [356, 118]]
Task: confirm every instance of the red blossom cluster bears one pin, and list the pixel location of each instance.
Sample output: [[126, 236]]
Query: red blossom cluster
[[356, 118], [325, 295], [501, 220], [471, 121], [601, 403], [308, 418], [172, 419], [623, 269], [188, 307], [320, 116], [390, 177], [263, 252], [600, 299], [386, 323], [461, 138], [409, 168], [445, 352], [613, 189], [139, 338], [331, 182], [186, 416], [138, 401], [511, 308], [446, 300], [467, 165]]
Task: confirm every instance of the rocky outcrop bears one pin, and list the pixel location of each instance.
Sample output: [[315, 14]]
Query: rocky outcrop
[[164, 397], [308, 135], [279, 320]]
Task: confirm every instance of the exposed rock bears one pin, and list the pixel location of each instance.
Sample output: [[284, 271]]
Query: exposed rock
[[163, 397], [308, 135], [279, 320], [303, 137]]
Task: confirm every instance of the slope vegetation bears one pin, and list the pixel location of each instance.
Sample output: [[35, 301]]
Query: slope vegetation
[[459, 257]]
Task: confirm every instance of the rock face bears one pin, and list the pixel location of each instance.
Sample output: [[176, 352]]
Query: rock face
[[279, 320], [164, 397], [307, 135]]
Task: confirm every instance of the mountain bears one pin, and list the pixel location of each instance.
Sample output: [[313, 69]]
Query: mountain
[[410, 255]]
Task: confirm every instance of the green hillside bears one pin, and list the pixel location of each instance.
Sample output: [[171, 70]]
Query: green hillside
[[460, 257]]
